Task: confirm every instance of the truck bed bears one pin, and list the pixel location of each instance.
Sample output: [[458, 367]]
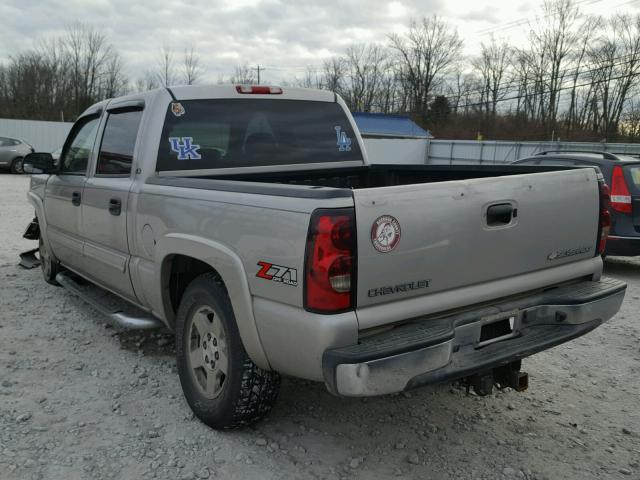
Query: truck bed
[[462, 231], [375, 176]]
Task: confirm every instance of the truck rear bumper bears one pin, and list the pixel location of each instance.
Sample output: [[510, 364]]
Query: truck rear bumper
[[438, 349]]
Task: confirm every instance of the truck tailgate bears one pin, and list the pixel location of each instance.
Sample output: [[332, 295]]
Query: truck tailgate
[[416, 240]]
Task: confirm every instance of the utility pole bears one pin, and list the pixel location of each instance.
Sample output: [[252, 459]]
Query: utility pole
[[257, 69]]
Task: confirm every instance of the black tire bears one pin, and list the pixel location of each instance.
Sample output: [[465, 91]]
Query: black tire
[[246, 393], [48, 263], [16, 166]]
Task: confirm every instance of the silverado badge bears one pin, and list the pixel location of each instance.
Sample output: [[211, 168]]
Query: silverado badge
[[570, 252]]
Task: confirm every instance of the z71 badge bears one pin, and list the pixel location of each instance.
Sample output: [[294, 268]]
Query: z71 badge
[[278, 273]]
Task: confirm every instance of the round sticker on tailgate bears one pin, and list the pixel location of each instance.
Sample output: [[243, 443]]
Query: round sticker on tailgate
[[385, 233]]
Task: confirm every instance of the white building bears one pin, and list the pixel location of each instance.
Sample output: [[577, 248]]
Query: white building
[[392, 138]]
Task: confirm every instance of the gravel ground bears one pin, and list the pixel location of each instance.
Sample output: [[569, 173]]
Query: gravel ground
[[79, 399]]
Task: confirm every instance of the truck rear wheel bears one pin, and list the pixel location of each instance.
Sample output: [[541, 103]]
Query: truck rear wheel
[[221, 384], [48, 263]]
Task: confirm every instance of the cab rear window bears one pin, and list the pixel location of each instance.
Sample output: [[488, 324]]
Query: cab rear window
[[232, 133]]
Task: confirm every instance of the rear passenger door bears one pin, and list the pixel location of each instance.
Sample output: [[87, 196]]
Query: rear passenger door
[[106, 201]]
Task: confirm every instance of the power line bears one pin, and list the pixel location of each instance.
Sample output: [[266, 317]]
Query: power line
[[523, 20], [517, 97], [563, 74]]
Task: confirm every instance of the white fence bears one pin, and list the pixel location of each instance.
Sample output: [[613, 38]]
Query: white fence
[[396, 150], [42, 136], [452, 152]]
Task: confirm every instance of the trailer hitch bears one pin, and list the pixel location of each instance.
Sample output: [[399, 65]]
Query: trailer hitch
[[502, 377]]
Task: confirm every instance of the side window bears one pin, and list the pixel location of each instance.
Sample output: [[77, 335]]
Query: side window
[[4, 142], [75, 158], [118, 142]]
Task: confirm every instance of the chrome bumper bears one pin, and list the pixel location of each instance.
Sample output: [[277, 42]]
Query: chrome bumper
[[434, 350]]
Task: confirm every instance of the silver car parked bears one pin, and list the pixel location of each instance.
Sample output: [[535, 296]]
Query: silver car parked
[[12, 152]]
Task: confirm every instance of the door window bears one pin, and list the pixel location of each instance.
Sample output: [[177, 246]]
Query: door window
[[75, 157], [118, 143]]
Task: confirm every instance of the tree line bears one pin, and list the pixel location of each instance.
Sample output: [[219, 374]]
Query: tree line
[[578, 77]]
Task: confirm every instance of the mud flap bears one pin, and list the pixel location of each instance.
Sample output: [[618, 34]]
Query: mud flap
[[33, 231]]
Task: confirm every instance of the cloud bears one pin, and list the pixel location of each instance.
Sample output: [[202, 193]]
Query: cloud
[[285, 36], [487, 14]]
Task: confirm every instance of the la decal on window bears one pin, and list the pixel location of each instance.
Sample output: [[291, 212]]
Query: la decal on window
[[344, 142]]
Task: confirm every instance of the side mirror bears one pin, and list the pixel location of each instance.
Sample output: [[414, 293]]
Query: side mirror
[[39, 163]]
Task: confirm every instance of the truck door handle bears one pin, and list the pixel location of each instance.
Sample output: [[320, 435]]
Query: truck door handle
[[76, 198], [115, 206], [500, 214]]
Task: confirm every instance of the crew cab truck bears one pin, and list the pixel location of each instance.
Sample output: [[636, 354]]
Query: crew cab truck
[[248, 220]]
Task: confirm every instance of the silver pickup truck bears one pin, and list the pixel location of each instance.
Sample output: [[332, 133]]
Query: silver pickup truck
[[247, 220]]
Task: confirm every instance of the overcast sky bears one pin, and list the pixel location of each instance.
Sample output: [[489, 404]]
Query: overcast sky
[[284, 36]]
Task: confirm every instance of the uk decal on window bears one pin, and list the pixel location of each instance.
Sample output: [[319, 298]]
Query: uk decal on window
[[344, 142], [185, 148]]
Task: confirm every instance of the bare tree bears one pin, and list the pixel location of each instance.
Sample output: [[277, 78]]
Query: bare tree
[[553, 39], [492, 66], [243, 74], [148, 81], [616, 67], [89, 53], [192, 70], [115, 83], [424, 56], [333, 73], [586, 33], [165, 73], [311, 79], [365, 71], [61, 76]]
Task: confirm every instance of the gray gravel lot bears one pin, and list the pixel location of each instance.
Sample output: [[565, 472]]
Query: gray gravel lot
[[79, 399]]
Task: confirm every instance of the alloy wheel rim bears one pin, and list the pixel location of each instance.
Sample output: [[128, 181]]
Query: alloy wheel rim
[[207, 351]]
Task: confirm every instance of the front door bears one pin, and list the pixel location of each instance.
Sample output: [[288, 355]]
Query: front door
[[106, 203], [64, 192]]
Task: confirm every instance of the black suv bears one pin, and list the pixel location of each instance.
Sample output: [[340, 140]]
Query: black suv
[[622, 174]]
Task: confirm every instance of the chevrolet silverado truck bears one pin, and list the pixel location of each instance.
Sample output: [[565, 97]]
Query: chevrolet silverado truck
[[247, 220]]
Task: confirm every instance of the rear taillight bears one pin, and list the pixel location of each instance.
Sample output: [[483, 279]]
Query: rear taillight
[[330, 261], [620, 196], [604, 224], [258, 90]]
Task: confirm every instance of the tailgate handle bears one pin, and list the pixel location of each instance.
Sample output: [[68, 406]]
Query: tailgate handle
[[500, 214]]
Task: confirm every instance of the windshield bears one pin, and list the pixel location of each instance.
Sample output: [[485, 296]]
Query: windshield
[[231, 133]]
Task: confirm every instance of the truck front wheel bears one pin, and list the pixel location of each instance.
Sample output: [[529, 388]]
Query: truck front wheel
[[221, 384]]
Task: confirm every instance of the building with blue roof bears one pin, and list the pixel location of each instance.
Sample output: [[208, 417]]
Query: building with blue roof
[[392, 138]]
